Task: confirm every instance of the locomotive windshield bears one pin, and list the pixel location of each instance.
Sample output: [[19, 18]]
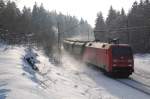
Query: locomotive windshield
[[118, 51]]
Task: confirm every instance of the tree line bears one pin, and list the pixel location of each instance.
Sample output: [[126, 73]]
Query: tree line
[[38, 26], [132, 28]]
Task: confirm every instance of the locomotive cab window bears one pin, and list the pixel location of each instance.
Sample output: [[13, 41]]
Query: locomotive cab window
[[118, 51]]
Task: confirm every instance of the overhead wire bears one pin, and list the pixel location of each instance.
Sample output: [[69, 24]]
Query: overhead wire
[[123, 28]]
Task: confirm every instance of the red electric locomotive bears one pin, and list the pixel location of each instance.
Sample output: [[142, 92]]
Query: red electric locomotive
[[114, 58]]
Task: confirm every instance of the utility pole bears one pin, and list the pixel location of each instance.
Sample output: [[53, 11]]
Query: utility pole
[[59, 43], [128, 33], [88, 34], [60, 38]]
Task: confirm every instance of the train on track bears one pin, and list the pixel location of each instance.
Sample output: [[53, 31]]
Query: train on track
[[113, 58]]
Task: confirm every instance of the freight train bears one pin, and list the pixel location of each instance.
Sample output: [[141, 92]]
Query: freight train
[[113, 58]]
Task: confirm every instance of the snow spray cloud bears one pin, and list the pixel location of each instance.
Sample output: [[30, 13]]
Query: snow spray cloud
[[69, 61]]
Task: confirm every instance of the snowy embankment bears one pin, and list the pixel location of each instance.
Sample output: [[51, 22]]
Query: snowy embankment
[[142, 69], [72, 80], [142, 61], [15, 82]]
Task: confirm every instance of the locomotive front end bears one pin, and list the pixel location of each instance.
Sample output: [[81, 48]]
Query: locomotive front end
[[122, 61]]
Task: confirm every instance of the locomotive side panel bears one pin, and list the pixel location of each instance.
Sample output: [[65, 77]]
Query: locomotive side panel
[[90, 55], [100, 58], [97, 57], [109, 53], [103, 59]]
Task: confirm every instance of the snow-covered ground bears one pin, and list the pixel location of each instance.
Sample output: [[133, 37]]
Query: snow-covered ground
[[72, 80], [142, 68], [15, 81], [142, 61]]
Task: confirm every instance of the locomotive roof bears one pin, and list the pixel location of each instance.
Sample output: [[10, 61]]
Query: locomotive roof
[[94, 44], [103, 45]]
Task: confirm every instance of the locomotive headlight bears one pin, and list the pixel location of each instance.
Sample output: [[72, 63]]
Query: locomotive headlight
[[115, 60], [130, 65], [114, 65], [130, 60]]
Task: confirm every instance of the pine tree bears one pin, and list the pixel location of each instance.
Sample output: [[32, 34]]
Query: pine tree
[[112, 15], [2, 7], [99, 29], [100, 24]]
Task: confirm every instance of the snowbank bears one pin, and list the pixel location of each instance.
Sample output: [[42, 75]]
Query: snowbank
[[15, 81], [72, 80], [142, 61]]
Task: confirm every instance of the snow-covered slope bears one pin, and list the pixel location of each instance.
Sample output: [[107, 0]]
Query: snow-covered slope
[[72, 80], [15, 81], [142, 61]]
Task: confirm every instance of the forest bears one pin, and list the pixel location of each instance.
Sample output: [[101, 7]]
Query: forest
[[42, 28], [38, 26], [131, 28]]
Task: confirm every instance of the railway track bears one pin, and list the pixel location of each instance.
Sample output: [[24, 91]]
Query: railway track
[[141, 76], [133, 82], [136, 85], [139, 80]]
